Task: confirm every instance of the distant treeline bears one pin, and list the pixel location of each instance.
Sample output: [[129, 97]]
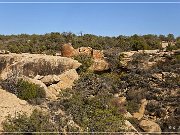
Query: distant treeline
[[52, 42]]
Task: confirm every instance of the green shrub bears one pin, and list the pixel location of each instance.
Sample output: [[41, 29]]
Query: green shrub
[[3, 64], [95, 114], [50, 52], [177, 57], [37, 122], [91, 106], [132, 107], [86, 62], [29, 91], [170, 48]]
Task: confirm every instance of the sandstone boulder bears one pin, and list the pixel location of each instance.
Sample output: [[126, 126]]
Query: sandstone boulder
[[140, 114], [50, 79], [157, 76], [98, 54], [32, 65], [150, 126], [4, 52], [99, 65], [130, 127], [66, 81], [34, 81], [85, 50], [67, 50], [11, 105], [38, 77], [49, 94]]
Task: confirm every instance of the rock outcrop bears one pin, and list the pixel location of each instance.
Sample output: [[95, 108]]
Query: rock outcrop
[[53, 84], [66, 81], [99, 65], [99, 62], [67, 50], [11, 105], [146, 58], [32, 65], [85, 50], [50, 79], [140, 114], [150, 126], [54, 71]]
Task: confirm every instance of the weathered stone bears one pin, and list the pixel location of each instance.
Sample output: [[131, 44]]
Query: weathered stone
[[38, 77], [49, 94], [37, 82], [11, 105], [151, 51], [168, 74], [140, 114], [157, 76], [98, 54], [150, 126], [130, 127], [67, 50], [66, 81], [85, 50], [50, 79], [32, 65], [4, 52], [128, 54], [99, 65]]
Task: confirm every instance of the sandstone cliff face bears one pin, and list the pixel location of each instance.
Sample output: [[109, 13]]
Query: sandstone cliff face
[[11, 105], [34, 64]]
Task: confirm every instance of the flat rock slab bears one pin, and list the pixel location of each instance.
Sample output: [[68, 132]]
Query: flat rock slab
[[32, 65], [11, 105]]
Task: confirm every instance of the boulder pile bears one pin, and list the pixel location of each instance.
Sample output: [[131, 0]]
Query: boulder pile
[[99, 61]]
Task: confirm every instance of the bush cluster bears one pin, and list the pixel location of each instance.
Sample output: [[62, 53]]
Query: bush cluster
[[86, 62], [90, 104], [30, 92], [37, 122], [50, 43]]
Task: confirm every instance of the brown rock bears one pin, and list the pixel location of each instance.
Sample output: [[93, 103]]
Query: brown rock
[[11, 105], [97, 54], [66, 81], [85, 50], [99, 65], [150, 126], [157, 76], [140, 114], [67, 50]]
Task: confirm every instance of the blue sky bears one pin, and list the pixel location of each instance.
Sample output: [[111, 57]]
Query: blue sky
[[99, 19]]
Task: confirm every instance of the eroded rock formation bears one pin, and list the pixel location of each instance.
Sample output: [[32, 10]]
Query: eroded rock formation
[[32, 65], [99, 62], [11, 105]]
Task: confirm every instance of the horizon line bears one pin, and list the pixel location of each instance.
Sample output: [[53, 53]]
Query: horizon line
[[76, 33], [78, 2]]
